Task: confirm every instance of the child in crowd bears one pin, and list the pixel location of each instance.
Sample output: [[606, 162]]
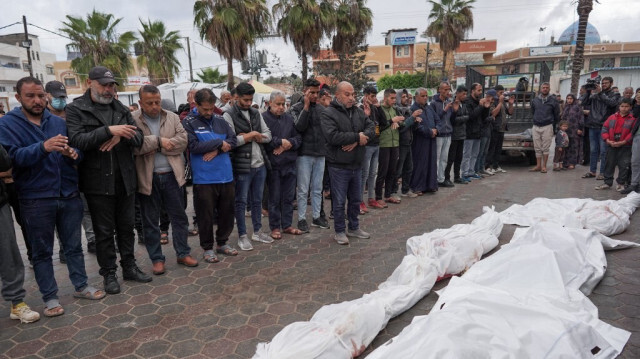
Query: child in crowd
[[562, 143], [617, 134]]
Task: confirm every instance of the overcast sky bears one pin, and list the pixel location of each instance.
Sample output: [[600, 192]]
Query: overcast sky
[[514, 23]]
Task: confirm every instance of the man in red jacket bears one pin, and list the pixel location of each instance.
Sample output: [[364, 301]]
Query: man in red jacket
[[617, 134]]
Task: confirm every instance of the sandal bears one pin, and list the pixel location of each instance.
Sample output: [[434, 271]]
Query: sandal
[[544, 170], [571, 167], [275, 234], [588, 175], [53, 308], [210, 257], [89, 292], [164, 238], [294, 231], [227, 250], [535, 169], [193, 232]]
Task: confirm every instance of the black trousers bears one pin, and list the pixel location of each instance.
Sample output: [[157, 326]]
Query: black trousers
[[617, 156], [495, 150], [387, 163], [12, 195], [404, 169], [221, 198], [113, 215], [454, 159]]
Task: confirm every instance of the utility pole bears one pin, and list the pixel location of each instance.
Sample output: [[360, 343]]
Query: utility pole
[[27, 44], [189, 55]]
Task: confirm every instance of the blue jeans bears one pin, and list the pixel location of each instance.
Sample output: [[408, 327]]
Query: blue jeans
[[370, 170], [469, 157], [250, 182], [598, 150], [345, 186], [166, 192], [482, 153], [41, 218], [310, 170]]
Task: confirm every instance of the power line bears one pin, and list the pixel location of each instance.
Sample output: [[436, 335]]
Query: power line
[[15, 23], [55, 33]]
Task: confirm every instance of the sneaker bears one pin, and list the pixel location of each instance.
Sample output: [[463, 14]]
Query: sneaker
[[358, 233], [320, 222], [619, 187], [244, 244], [247, 214], [22, 312], [603, 186], [600, 177], [476, 176], [460, 181], [376, 204], [629, 189], [486, 173], [111, 285], [261, 237], [341, 238], [499, 170], [363, 208], [409, 194], [448, 184], [396, 197], [491, 171], [303, 226]]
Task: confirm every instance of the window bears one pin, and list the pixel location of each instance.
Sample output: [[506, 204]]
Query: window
[[402, 51], [70, 82], [38, 56], [25, 66], [630, 61], [371, 69], [562, 65], [537, 66], [33, 55], [386, 66], [3, 89], [418, 64], [50, 70], [601, 63]]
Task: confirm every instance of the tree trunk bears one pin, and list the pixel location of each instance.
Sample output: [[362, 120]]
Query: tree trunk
[[444, 64], [230, 83], [304, 66], [584, 8]]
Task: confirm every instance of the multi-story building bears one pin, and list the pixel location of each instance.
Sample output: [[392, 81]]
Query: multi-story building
[[402, 54], [14, 63]]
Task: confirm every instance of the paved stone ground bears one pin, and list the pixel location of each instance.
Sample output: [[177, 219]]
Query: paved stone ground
[[223, 310]]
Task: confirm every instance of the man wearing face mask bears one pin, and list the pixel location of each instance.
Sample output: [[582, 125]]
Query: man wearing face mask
[[104, 130], [56, 104]]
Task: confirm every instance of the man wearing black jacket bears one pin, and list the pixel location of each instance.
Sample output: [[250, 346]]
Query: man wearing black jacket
[[104, 130], [604, 103], [459, 123], [311, 156], [478, 109], [346, 130]]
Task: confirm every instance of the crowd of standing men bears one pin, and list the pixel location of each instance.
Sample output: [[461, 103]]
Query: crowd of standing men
[[95, 163]]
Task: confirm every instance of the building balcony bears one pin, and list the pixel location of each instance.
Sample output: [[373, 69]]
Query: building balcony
[[9, 74]]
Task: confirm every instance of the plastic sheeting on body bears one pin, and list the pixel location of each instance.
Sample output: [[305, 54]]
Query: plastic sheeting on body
[[525, 301], [607, 217], [344, 330]]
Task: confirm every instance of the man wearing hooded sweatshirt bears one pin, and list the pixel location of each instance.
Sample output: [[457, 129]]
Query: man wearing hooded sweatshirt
[[47, 183], [346, 130], [443, 107], [478, 110]]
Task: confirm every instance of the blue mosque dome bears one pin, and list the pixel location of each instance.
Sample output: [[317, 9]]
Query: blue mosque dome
[[571, 33]]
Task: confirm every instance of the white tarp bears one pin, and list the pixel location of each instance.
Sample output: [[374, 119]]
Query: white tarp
[[525, 301], [607, 217], [344, 330]]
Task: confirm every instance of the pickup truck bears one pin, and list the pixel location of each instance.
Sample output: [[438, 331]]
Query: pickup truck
[[518, 140]]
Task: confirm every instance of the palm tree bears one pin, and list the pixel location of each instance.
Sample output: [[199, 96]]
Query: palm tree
[[158, 51], [211, 76], [450, 21], [304, 23], [584, 9], [353, 22], [99, 43], [230, 26]]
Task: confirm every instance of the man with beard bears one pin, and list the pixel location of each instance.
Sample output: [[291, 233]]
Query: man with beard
[[347, 130], [46, 179], [105, 131]]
